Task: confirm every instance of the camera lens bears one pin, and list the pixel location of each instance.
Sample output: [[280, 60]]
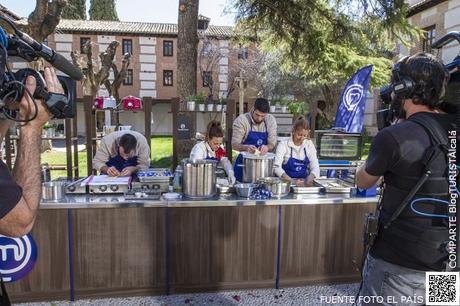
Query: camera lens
[[385, 93]]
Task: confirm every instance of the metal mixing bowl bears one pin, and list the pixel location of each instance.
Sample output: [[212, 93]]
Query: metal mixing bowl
[[279, 187], [244, 189]]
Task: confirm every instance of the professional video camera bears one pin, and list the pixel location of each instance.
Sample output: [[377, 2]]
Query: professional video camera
[[12, 84], [389, 93]]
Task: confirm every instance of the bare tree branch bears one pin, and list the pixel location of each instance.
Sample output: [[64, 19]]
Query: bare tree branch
[[44, 19]]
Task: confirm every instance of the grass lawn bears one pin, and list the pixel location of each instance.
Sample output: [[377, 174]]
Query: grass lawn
[[161, 156], [162, 151]]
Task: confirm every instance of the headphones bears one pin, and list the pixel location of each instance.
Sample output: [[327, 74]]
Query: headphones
[[404, 87]]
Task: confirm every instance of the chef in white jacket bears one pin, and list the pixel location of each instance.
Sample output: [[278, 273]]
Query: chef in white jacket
[[211, 148], [296, 157]]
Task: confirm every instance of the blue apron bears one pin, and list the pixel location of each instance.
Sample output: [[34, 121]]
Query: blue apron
[[209, 157], [297, 168], [254, 138], [120, 163]]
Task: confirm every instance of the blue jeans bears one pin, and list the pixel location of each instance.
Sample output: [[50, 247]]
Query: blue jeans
[[387, 284]]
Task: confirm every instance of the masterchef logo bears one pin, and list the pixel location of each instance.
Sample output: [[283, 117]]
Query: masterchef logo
[[352, 96], [17, 257]]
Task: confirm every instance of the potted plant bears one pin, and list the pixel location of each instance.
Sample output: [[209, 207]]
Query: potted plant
[[210, 105], [297, 108], [273, 106], [191, 103], [49, 129], [199, 99], [283, 105], [220, 104]]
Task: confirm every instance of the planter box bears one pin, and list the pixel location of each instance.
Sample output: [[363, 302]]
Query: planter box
[[191, 106]]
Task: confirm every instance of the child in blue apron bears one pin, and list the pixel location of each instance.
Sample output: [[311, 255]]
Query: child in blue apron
[[211, 149], [296, 158]]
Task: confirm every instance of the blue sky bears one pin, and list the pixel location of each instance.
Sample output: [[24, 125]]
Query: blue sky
[[144, 10]]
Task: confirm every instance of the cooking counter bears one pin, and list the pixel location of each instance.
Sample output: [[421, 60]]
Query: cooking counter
[[223, 200], [106, 246]]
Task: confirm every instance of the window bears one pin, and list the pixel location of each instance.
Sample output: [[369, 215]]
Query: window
[[167, 78], [128, 46], [428, 38], [243, 53], [167, 48], [207, 78], [207, 47], [83, 41], [45, 41], [128, 80]]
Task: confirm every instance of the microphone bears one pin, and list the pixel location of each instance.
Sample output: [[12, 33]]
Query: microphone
[[57, 60]]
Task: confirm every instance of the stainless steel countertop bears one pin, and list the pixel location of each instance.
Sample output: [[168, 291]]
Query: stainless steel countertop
[[224, 200]]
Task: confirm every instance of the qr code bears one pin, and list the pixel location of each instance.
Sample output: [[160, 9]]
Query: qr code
[[443, 288]]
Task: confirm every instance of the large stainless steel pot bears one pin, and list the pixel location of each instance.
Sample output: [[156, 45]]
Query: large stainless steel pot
[[257, 166], [199, 178]]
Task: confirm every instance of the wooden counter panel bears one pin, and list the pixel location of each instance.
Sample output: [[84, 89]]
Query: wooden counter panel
[[118, 250], [49, 279], [320, 243], [223, 247]]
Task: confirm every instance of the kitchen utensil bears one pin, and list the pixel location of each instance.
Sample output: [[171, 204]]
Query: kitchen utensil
[[333, 185], [199, 178], [244, 189], [53, 191], [306, 190], [279, 187], [257, 166]]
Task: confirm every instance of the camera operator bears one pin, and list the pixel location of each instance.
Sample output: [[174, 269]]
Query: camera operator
[[20, 192], [415, 241]]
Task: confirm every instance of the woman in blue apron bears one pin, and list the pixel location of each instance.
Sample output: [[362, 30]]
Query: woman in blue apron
[[254, 138], [211, 149], [297, 168], [296, 158]]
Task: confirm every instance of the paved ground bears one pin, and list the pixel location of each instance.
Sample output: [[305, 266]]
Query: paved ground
[[59, 145], [308, 296]]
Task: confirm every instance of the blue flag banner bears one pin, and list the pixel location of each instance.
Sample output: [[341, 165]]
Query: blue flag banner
[[350, 113]]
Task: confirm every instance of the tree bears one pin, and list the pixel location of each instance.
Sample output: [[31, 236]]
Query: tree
[[208, 60], [42, 21], [97, 74], [75, 9], [187, 43], [103, 10], [249, 69], [326, 41]]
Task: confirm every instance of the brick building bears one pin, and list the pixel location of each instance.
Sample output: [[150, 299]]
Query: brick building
[[436, 17], [153, 68]]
